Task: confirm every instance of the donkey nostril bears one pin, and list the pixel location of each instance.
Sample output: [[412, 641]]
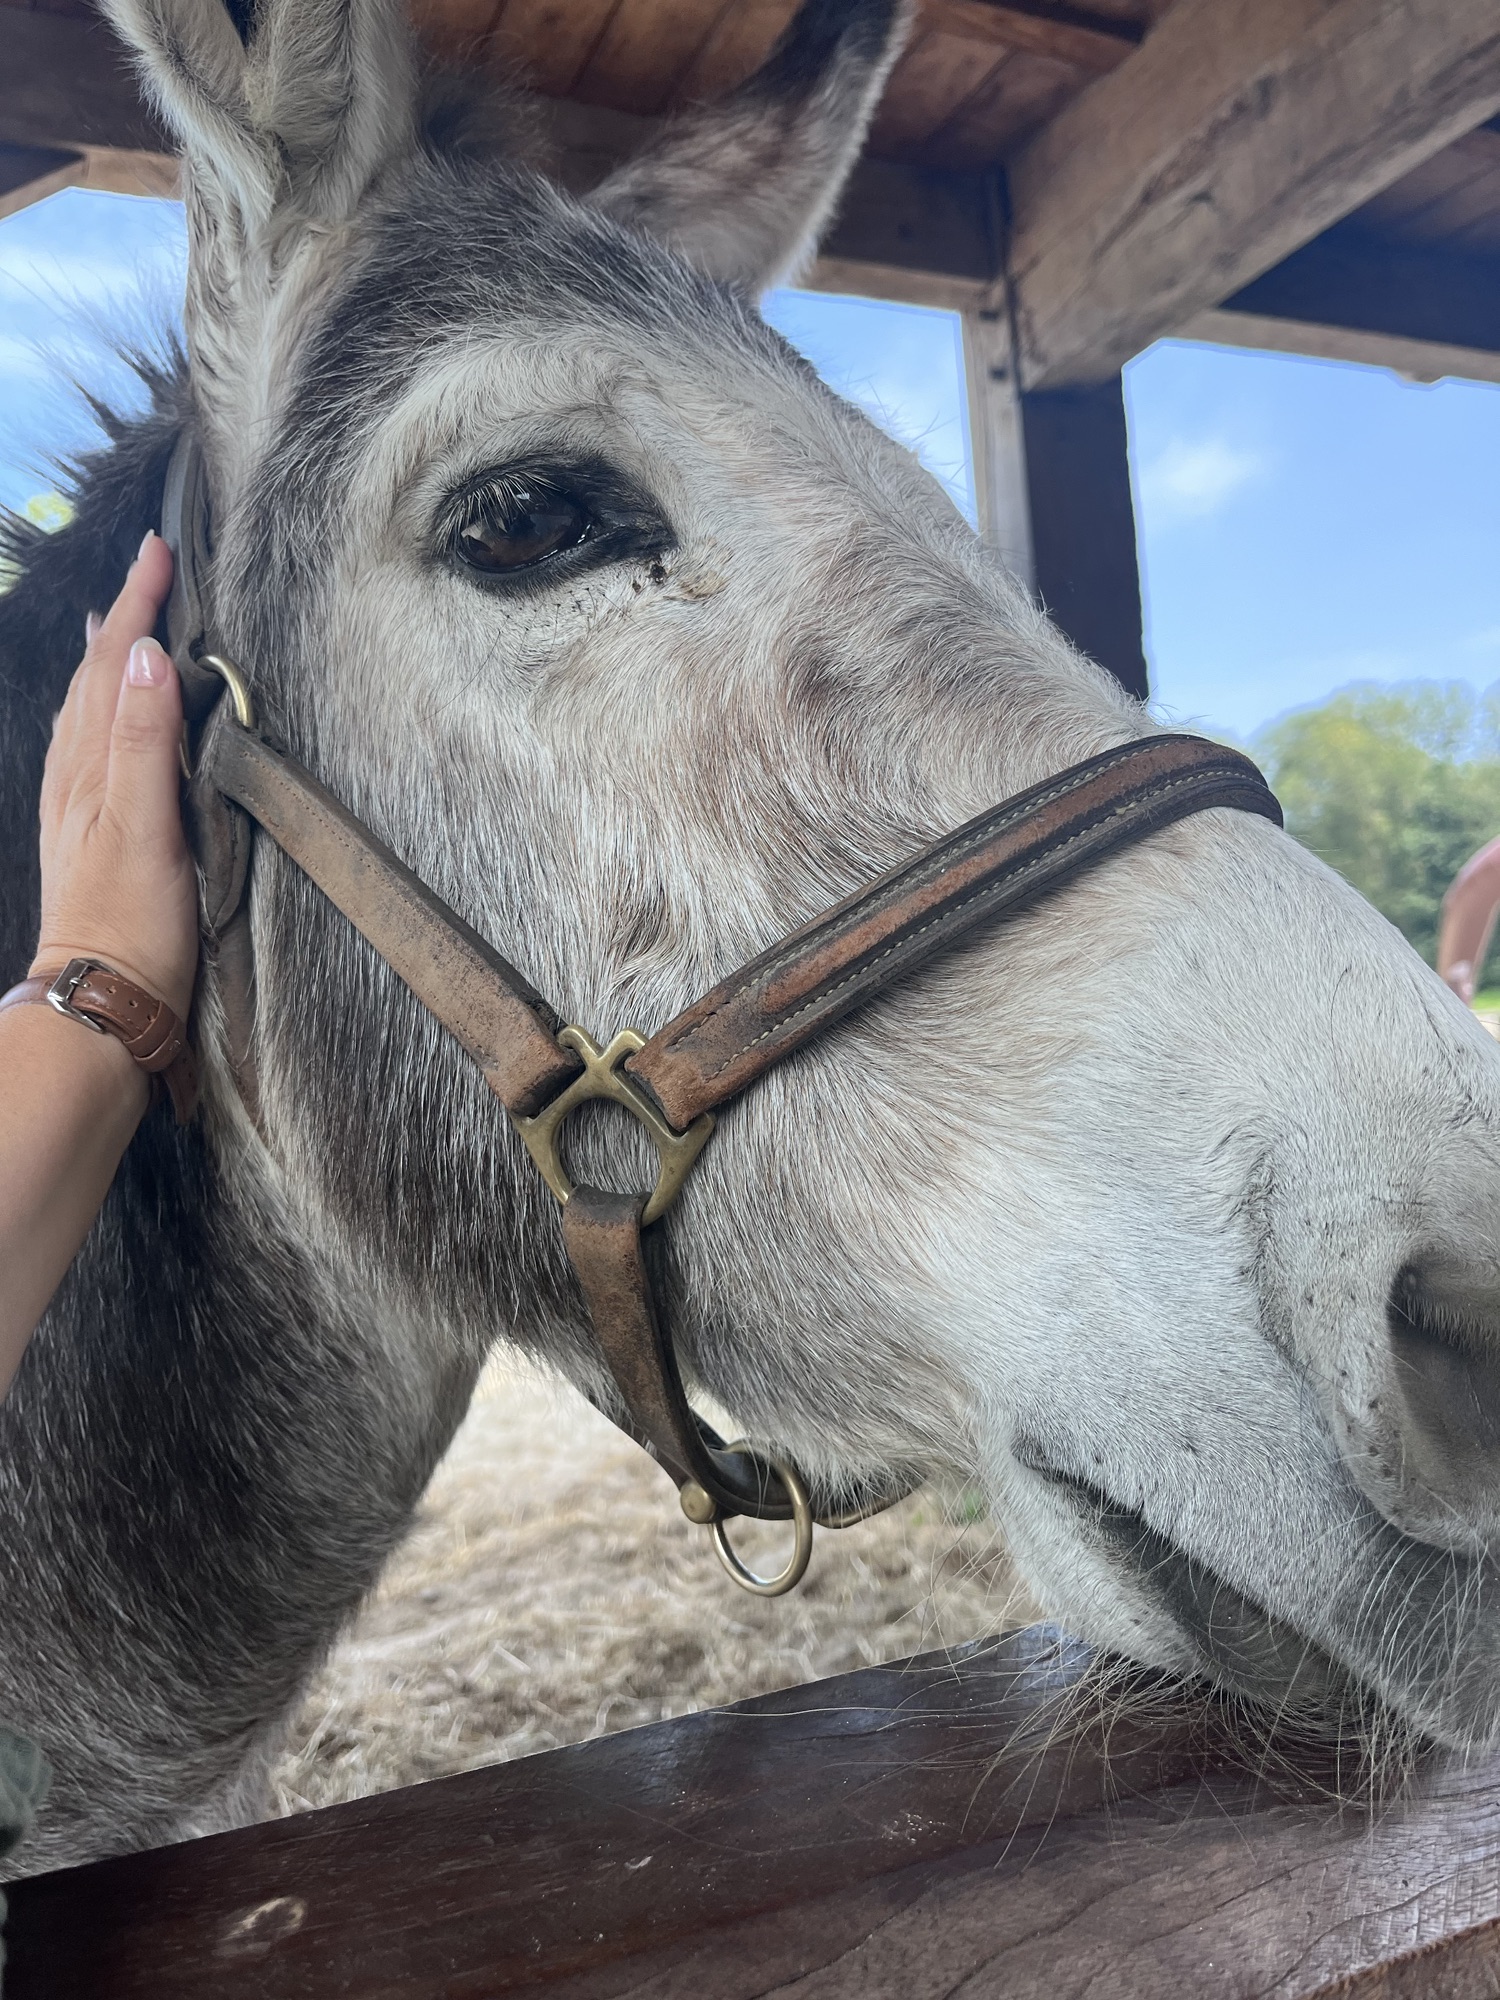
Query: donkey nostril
[[1444, 1416]]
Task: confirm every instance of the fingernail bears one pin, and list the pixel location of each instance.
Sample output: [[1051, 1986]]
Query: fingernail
[[146, 540], [147, 665], [93, 625]]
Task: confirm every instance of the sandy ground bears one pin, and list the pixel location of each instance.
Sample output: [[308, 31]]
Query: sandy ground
[[552, 1590]]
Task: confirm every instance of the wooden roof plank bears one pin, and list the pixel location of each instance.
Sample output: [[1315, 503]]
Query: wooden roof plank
[[1235, 133], [1453, 197], [645, 51], [738, 44], [936, 71], [69, 83], [458, 30], [551, 41], [1006, 109], [1096, 43]]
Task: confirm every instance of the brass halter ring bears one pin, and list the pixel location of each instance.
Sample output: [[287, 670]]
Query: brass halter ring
[[240, 700], [802, 1525], [239, 688]]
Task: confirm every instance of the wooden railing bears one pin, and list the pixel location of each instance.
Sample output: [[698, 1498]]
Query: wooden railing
[[979, 1821]]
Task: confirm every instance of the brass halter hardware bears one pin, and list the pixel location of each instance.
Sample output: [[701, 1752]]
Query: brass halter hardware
[[240, 700], [603, 1077], [701, 1509], [239, 688]]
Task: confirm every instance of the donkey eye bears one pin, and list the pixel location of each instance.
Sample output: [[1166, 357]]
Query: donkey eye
[[517, 522]]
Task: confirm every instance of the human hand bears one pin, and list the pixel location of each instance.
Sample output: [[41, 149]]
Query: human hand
[[117, 881], [1460, 976]]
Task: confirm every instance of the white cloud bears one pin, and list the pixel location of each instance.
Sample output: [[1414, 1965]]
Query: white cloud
[[1191, 479]]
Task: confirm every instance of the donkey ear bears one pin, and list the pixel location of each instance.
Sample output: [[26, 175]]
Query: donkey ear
[[743, 188], [295, 118]]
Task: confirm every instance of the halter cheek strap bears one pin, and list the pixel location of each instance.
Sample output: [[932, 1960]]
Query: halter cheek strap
[[994, 868]]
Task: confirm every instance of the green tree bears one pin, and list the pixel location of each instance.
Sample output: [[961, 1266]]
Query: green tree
[[1393, 787]]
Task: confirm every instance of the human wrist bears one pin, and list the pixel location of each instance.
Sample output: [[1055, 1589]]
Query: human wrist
[[101, 1068], [153, 1034]]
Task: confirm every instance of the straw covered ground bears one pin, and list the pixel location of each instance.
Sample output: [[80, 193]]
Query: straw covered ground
[[551, 1590]]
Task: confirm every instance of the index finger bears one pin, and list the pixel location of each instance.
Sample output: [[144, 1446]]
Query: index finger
[[89, 710]]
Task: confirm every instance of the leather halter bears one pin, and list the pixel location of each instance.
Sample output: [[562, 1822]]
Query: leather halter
[[673, 1083]]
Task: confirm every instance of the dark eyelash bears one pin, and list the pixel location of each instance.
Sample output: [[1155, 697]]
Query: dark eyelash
[[502, 491]]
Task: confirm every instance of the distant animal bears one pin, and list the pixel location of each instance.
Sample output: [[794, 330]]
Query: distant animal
[[1169, 1214]]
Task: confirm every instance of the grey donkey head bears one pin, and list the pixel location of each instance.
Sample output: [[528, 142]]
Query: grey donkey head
[[572, 580]]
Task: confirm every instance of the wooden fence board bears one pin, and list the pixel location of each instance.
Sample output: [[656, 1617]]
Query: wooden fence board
[[905, 1833], [507, 1877], [1204, 1892]]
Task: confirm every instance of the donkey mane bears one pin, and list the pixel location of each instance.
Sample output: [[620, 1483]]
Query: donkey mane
[[56, 578]]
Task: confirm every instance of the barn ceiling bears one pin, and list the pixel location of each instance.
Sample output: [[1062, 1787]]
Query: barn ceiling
[[1158, 154], [977, 75]]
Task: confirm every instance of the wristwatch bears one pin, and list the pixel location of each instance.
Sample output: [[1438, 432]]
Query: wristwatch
[[108, 1003]]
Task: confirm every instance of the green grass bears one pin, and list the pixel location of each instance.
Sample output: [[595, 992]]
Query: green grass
[[1487, 1001]]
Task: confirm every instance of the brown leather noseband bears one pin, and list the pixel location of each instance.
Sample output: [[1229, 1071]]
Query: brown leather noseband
[[673, 1083]]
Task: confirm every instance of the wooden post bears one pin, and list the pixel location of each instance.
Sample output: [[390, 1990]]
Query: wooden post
[[1085, 566], [1052, 490], [997, 450]]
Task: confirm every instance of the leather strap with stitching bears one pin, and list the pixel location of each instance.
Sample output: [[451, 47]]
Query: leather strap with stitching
[[146, 1027], [996, 866], [604, 1241]]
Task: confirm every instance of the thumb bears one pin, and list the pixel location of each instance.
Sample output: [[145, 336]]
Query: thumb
[[141, 792]]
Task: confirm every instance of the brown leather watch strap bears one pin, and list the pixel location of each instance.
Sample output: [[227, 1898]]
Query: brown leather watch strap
[[145, 1026], [497, 1015], [996, 865]]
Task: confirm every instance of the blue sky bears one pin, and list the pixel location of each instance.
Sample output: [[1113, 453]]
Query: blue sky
[[1303, 524]]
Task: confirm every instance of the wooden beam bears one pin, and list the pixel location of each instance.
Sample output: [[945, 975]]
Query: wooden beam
[[1200, 1893], [1097, 43], [20, 165], [921, 235], [1350, 276], [1239, 130], [563, 1865], [915, 234], [67, 82], [1053, 492], [1354, 294], [31, 173], [921, 221], [916, 1830], [1416, 360], [997, 443], [105, 169]]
